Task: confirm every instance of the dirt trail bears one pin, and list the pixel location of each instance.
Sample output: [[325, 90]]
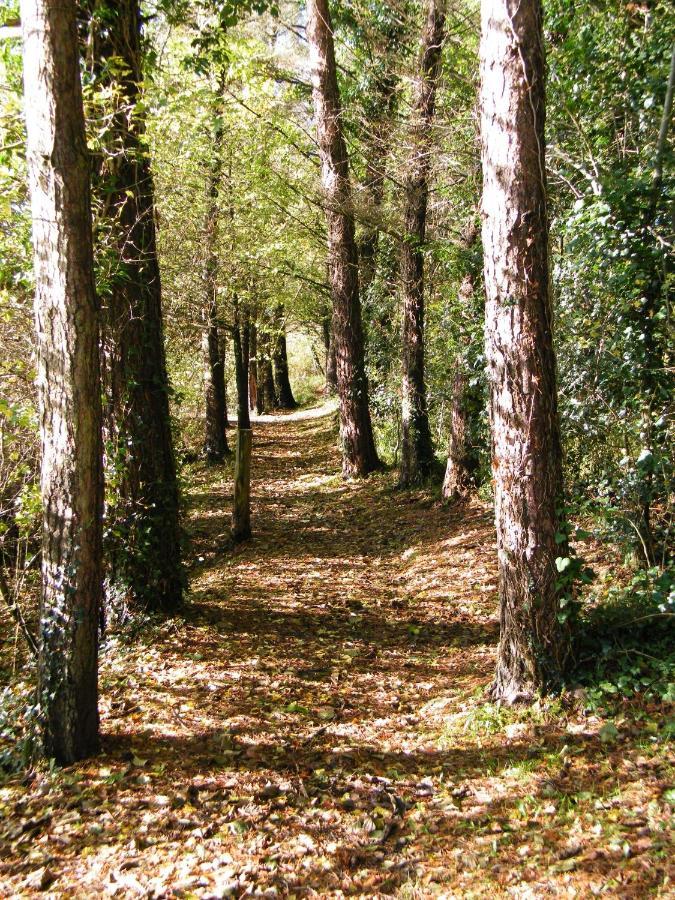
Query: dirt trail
[[352, 596], [315, 724], [353, 608]]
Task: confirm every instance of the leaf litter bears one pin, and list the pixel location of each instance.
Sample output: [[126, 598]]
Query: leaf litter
[[316, 725]]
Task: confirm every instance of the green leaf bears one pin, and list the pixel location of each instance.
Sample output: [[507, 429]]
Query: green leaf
[[608, 733]]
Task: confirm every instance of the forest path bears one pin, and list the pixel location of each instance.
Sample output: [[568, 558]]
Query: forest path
[[315, 724], [354, 600]]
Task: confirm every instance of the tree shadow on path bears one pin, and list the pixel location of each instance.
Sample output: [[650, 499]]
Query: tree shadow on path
[[315, 724]]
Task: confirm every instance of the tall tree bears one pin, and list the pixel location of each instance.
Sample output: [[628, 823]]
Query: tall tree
[[526, 453], [330, 387], [460, 462], [379, 108], [241, 342], [266, 385], [282, 382], [68, 380], [143, 500], [222, 353], [241, 509], [417, 452], [359, 456], [377, 145], [254, 395], [462, 456], [215, 407]]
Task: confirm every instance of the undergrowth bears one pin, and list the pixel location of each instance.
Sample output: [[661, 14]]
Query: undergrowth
[[625, 642], [19, 731]]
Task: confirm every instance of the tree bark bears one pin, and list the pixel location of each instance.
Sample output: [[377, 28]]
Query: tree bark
[[68, 381], [222, 353], [267, 388], [358, 446], [282, 381], [462, 461], [526, 453], [241, 511], [215, 437], [459, 466], [241, 335], [143, 512], [377, 148], [215, 418], [255, 399], [417, 452], [331, 385]]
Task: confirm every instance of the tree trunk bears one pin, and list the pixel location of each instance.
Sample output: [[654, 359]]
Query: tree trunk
[[215, 437], [269, 390], [215, 418], [462, 461], [255, 399], [241, 342], [417, 452], [526, 453], [68, 381], [331, 385], [143, 512], [377, 148], [241, 512], [358, 446], [222, 354], [266, 386], [457, 481], [282, 382]]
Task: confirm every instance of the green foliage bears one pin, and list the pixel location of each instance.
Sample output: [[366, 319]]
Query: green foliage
[[484, 719], [20, 512], [307, 378], [608, 67], [19, 727], [9, 14], [572, 572], [625, 645], [228, 98], [270, 232]]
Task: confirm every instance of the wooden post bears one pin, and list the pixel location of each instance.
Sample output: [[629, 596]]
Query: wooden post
[[241, 514]]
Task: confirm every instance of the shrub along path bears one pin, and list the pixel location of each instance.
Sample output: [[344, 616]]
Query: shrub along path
[[316, 724]]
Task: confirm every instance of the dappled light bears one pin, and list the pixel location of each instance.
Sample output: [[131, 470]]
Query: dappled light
[[316, 722], [336, 431]]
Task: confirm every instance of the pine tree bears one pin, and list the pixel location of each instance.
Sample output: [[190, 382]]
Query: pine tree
[[359, 456], [417, 452], [526, 452], [68, 381]]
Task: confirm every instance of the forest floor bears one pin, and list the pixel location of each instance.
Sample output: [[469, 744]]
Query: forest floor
[[316, 724]]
